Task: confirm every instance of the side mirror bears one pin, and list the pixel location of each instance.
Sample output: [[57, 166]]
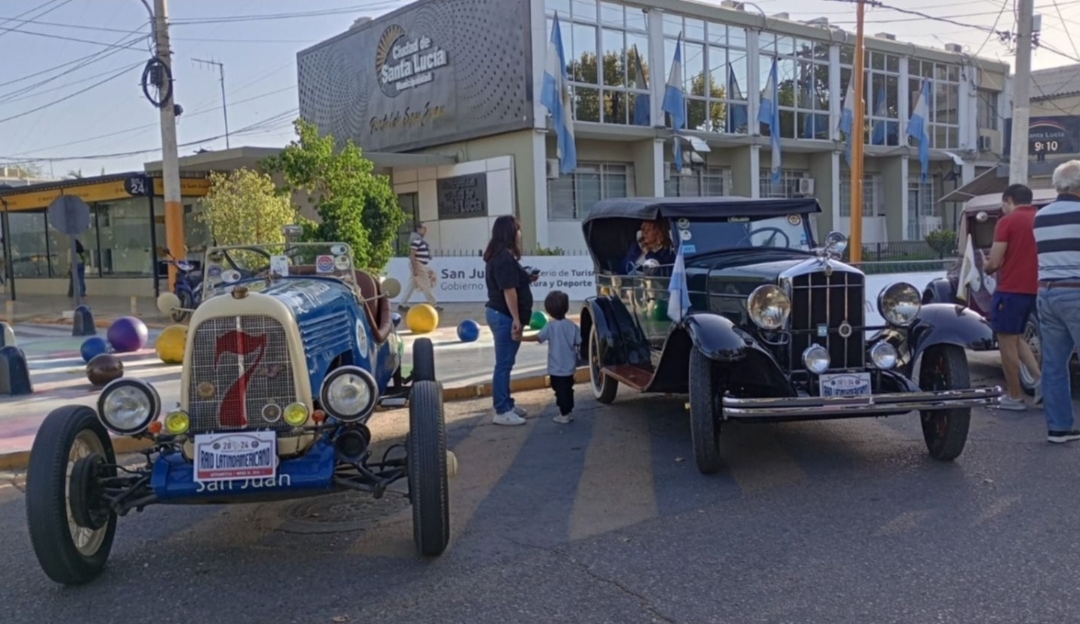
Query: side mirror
[[167, 303], [835, 244], [391, 287], [292, 232]]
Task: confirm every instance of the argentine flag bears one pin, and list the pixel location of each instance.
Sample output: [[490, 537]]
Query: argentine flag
[[679, 294], [674, 103], [917, 127], [555, 96], [847, 117], [770, 116]]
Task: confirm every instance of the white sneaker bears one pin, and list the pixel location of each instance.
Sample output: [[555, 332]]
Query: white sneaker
[[563, 420], [1011, 404], [1038, 393], [508, 418], [521, 411]]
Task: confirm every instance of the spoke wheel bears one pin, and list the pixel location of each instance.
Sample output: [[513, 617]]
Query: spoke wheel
[[604, 388], [945, 367]]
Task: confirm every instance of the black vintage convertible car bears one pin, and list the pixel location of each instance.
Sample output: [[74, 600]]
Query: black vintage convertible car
[[776, 327]]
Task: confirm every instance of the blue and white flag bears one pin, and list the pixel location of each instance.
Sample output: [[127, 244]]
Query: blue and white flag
[[736, 113], [641, 100], [877, 135], [679, 293], [674, 103], [847, 117], [555, 96], [917, 127], [770, 116]]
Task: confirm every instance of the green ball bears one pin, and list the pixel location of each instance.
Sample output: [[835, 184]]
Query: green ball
[[538, 320]]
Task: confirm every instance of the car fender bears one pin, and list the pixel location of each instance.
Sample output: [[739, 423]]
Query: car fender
[[940, 323], [940, 290], [716, 337], [620, 340]]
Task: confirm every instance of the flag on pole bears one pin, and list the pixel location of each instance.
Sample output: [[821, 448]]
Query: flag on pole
[[736, 113], [878, 134], [770, 116], [968, 280], [674, 103], [555, 96], [641, 101], [679, 294], [847, 117], [917, 127]]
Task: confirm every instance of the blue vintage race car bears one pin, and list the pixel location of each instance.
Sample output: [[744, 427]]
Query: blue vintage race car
[[286, 359]]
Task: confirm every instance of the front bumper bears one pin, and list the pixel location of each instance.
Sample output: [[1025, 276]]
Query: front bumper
[[810, 408]]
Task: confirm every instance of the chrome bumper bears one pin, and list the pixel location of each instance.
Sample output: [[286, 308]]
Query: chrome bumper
[[840, 407]]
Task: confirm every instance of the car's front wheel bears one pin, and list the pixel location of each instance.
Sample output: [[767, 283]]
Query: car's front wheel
[[187, 302], [70, 522], [1031, 337], [429, 489], [604, 387], [945, 367], [706, 408], [423, 360]]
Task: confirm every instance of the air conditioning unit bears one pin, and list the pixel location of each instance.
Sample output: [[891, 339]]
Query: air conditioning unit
[[954, 47], [985, 144], [731, 4], [806, 186], [552, 168]]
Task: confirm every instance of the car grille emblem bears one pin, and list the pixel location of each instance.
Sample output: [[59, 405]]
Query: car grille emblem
[[845, 330]]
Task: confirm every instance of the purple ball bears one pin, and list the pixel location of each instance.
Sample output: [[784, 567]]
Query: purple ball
[[127, 334]]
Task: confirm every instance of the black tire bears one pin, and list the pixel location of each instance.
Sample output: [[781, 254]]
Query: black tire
[[187, 302], [945, 367], [1031, 336], [706, 408], [604, 388], [47, 496], [423, 360], [429, 488]]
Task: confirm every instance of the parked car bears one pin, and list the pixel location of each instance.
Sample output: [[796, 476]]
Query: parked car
[[978, 219], [287, 358], [776, 328]]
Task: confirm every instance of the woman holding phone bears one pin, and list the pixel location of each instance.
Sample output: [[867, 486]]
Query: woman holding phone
[[509, 306]]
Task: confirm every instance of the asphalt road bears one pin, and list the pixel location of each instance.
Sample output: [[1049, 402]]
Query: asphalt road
[[607, 520]]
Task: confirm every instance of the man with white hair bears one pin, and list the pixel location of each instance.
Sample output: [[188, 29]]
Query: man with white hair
[[1057, 236]]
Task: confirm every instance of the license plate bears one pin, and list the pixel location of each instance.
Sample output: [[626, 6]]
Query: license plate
[[235, 456], [844, 384]]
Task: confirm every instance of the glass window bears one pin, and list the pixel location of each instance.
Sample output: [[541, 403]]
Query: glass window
[[570, 197], [881, 91], [943, 125], [710, 182], [124, 231], [803, 87], [410, 205], [787, 186], [873, 204], [29, 251], [987, 110], [714, 73]]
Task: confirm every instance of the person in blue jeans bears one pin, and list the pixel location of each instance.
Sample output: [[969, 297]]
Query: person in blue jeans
[[509, 301]]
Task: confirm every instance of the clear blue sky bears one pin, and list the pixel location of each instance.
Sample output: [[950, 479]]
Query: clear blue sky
[[260, 66]]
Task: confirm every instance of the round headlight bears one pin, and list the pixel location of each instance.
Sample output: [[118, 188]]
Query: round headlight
[[816, 359], [348, 393], [128, 406], [768, 307], [883, 355], [177, 422], [296, 414], [899, 303]]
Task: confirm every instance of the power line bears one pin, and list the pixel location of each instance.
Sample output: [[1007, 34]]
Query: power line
[[55, 67], [1067, 33], [920, 14], [69, 96], [276, 16], [8, 99], [990, 35], [35, 9], [63, 38]]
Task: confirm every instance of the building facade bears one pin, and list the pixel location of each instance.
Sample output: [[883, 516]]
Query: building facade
[[461, 79]]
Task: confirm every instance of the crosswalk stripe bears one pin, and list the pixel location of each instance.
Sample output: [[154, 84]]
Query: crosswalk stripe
[[616, 486]]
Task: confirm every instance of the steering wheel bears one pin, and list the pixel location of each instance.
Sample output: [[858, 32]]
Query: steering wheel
[[769, 242], [247, 274]]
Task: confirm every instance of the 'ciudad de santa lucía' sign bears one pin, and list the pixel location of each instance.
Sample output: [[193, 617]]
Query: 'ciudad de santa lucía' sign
[[402, 63]]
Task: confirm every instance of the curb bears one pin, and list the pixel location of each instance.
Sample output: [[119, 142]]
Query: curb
[[19, 459]]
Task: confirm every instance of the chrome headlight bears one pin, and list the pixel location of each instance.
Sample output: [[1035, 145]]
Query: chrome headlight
[[816, 359], [768, 307], [128, 406], [349, 393], [883, 355], [899, 303]]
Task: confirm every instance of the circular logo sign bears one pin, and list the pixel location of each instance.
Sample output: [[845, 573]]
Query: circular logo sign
[[324, 264], [685, 235], [213, 272], [341, 263], [794, 219], [338, 250], [683, 223], [231, 276], [388, 69]]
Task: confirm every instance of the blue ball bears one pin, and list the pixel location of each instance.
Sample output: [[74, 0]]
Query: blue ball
[[92, 347], [468, 330]]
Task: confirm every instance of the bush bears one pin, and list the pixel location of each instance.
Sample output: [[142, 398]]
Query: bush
[[942, 241]]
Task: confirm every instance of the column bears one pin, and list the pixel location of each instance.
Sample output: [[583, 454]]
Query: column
[[825, 169], [657, 79], [649, 167], [745, 171], [894, 182], [904, 105], [835, 95], [966, 113], [538, 170]]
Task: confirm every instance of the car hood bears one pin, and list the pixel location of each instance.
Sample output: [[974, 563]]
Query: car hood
[[752, 265], [302, 295]]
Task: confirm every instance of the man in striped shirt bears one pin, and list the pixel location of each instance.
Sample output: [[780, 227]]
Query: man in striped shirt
[[1057, 236], [421, 276]]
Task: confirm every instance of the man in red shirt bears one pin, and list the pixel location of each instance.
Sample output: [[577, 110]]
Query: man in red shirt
[[1014, 258]]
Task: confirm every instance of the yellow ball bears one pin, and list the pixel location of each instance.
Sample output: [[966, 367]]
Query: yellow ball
[[170, 344], [422, 319]]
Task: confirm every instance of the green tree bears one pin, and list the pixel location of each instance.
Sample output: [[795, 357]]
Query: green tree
[[244, 208], [356, 206]]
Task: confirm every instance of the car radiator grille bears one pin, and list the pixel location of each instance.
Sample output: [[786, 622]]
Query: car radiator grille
[[819, 300], [240, 365]]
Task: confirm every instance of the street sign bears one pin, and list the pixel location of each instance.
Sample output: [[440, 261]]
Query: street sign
[[137, 185], [70, 215]]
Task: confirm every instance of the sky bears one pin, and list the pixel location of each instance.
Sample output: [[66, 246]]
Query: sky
[[71, 101]]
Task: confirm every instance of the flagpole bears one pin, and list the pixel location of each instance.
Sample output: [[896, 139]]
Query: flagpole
[[857, 143]]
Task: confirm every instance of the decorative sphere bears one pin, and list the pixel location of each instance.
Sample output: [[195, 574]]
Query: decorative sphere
[[127, 334], [170, 344], [538, 320], [93, 346], [468, 330], [104, 368], [396, 318], [422, 319]]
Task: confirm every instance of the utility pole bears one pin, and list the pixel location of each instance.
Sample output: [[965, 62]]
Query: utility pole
[[224, 104], [1021, 112], [174, 211], [858, 110]]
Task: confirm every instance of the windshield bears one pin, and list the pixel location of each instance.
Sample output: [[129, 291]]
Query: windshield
[[699, 237], [254, 265]]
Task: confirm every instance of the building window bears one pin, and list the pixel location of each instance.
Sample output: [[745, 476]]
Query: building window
[[873, 202], [570, 197], [881, 92], [410, 205], [709, 182], [29, 251], [788, 186], [714, 73], [802, 74], [613, 89], [124, 232], [944, 123], [922, 218], [987, 110]]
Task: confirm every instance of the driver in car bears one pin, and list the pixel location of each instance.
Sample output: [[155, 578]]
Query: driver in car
[[654, 243]]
